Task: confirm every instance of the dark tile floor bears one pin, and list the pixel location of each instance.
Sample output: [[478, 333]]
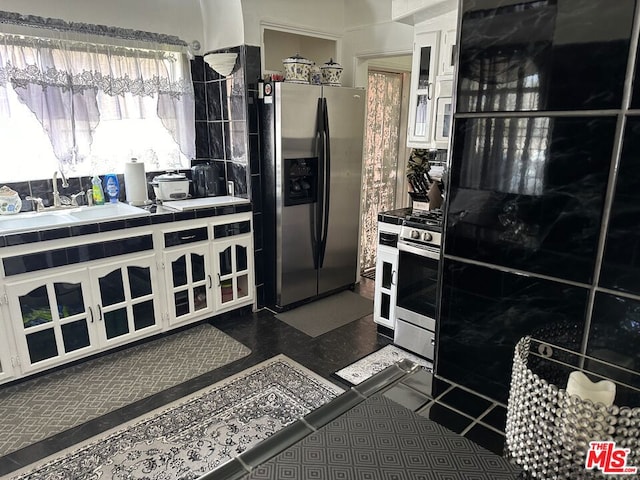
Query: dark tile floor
[[477, 418]]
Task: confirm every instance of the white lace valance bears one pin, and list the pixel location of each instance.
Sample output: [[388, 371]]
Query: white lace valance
[[70, 85]]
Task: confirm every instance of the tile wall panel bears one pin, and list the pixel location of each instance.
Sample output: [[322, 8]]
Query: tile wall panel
[[528, 193], [485, 312], [622, 254], [543, 55], [541, 229]]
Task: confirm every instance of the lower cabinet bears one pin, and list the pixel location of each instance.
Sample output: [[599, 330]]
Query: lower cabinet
[[234, 285], [73, 313], [6, 362], [188, 279], [196, 269], [52, 319], [385, 291], [126, 298]]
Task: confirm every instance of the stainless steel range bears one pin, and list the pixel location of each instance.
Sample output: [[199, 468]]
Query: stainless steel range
[[419, 257]]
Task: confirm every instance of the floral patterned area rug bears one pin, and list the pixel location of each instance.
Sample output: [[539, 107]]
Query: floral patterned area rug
[[201, 432], [377, 361]]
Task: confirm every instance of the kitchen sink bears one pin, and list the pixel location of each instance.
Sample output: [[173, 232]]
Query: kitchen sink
[[27, 221]]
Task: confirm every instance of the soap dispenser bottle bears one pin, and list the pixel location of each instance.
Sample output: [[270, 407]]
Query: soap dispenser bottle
[[96, 190], [112, 187]]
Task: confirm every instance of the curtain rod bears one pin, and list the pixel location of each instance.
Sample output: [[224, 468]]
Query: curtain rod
[[60, 25]]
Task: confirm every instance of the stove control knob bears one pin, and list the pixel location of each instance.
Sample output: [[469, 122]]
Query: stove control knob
[[427, 237], [415, 234]]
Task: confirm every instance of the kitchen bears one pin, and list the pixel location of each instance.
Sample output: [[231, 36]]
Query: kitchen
[[487, 302]]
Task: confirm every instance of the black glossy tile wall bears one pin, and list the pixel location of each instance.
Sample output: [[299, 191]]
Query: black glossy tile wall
[[615, 337], [253, 68], [237, 173], [214, 100], [216, 140], [528, 193], [202, 140], [621, 263], [543, 55], [485, 312], [200, 100]]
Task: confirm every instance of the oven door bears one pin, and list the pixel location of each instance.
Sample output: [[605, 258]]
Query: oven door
[[417, 284]]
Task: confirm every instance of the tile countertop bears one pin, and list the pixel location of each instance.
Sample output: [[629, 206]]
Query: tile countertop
[[182, 210]]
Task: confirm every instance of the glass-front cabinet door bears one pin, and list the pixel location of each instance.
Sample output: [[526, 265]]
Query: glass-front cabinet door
[[52, 318], [234, 275], [189, 282], [125, 303], [422, 101]]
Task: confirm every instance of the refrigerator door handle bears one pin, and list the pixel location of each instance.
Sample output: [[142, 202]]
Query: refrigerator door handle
[[316, 219], [327, 181]]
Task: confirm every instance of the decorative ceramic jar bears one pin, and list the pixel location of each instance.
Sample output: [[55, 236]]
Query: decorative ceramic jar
[[315, 75], [331, 73], [296, 69], [10, 202]]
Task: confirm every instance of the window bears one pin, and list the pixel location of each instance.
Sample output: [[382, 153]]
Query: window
[[86, 108]]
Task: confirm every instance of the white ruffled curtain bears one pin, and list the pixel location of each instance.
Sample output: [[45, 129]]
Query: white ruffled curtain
[[70, 86]]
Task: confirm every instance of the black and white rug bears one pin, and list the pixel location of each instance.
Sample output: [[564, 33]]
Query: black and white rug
[[377, 361], [199, 433]]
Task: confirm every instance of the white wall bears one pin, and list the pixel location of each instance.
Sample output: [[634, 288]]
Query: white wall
[[222, 24], [323, 16], [370, 33], [181, 18]]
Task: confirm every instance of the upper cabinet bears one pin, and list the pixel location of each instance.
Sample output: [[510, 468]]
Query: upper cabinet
[[423, 74], [448, 52], [432, 73]]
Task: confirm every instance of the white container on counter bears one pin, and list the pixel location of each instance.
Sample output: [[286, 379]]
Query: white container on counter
[[170, 186]]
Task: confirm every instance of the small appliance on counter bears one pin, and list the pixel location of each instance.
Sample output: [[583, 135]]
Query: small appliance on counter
[[170, 186], [206, 181]]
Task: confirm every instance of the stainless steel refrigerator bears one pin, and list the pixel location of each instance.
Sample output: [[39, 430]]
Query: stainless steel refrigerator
[[311, 173]]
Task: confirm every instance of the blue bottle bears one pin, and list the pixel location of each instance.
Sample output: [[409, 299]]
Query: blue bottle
[[112, 187]]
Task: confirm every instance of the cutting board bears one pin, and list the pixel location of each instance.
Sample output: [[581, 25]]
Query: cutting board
[[208, 202]]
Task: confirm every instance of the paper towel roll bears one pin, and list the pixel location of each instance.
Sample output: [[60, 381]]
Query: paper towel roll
[[135, 181]]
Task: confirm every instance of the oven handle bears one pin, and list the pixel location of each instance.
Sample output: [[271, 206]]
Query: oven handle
[[403, 247]]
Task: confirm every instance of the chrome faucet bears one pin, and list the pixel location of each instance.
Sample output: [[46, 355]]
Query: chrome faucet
[[57, 199]]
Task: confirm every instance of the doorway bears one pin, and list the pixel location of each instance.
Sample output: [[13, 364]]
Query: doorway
[[383, 182]]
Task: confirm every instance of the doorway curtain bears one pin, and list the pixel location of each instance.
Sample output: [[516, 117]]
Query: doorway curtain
[[380, 158]]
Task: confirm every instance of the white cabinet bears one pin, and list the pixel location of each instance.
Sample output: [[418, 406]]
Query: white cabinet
[[52, 318], [422, 99], [78, 311], [384, 302], [123, 294], [208, 268], [6, 362], [234, 285], [188, 276], [443, 111], [447, 52], [182, 272]]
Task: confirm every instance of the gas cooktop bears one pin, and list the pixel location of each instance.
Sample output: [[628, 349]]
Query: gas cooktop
[[425, 219]]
